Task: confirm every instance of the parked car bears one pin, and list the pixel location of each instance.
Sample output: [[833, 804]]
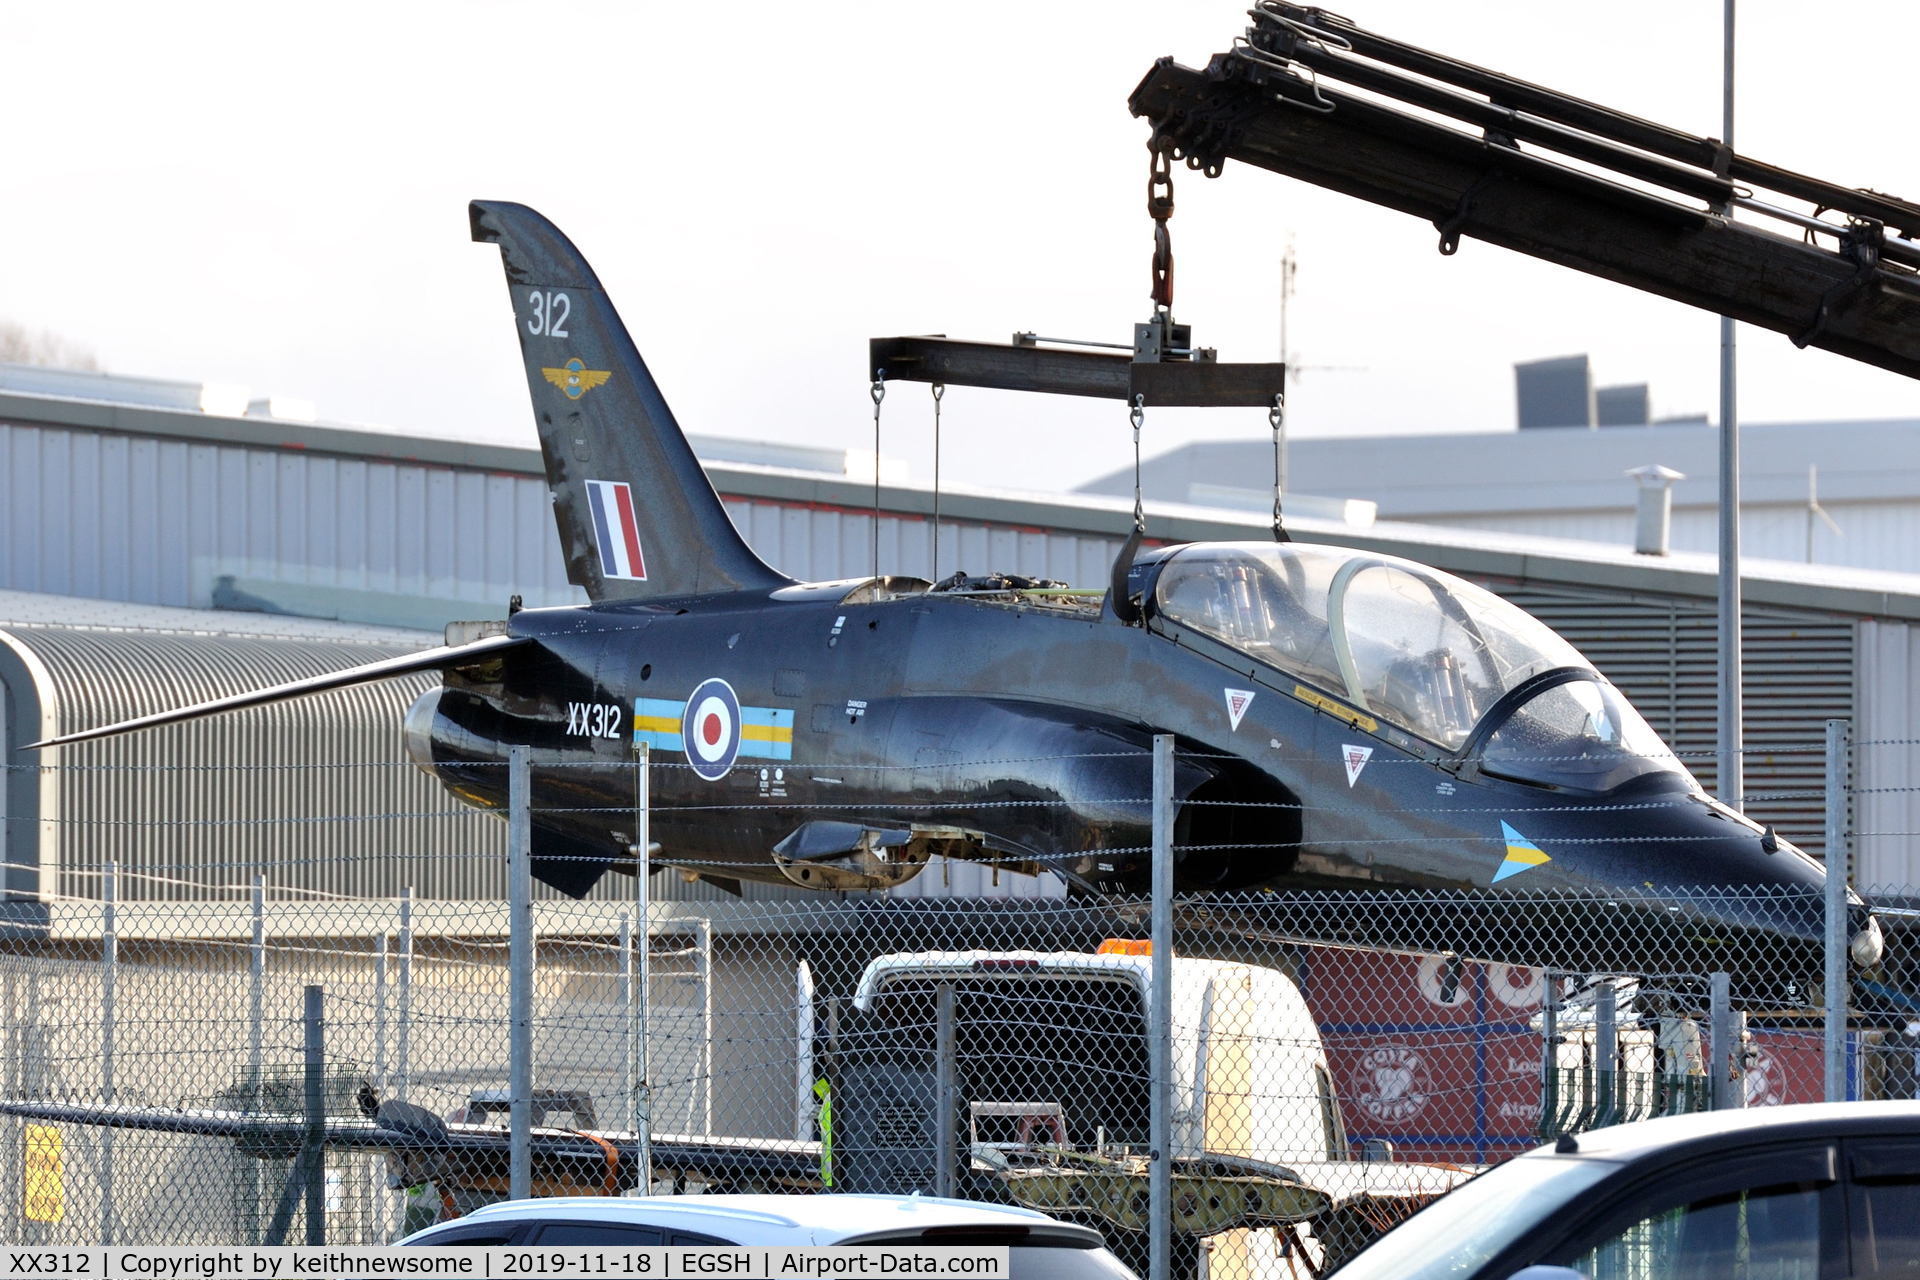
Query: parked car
[[1039, 1246], [1812, 1192]]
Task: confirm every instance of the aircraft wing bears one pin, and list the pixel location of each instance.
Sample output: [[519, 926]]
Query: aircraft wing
[[386, 668]]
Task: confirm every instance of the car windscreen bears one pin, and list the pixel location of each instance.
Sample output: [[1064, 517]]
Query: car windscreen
[[1466, 1227]]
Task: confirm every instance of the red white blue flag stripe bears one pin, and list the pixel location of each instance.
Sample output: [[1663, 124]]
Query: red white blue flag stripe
[[616, 530]]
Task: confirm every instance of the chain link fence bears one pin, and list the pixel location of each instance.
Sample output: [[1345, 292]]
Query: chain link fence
[[260, 1064]]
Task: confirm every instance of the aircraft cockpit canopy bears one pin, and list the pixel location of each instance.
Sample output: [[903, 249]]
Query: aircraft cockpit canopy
[[1423, 649]]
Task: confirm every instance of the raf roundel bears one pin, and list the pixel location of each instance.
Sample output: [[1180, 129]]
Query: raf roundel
[[710, 729]]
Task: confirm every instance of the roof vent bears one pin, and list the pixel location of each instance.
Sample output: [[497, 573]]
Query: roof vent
[[223, 399], [1653, 519]]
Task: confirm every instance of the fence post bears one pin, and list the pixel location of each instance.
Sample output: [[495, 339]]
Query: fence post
[[403, 1022], [1839, 737], [1725, 1071], [1550, 1056], [1160, 1021], [643, 914], [257, 992], [519, 976], [629, 994], [704, 935], [313, 1152], [109, 982], [380, 1012], [33, 1077], [1606, 1054], [403, 1035], [306, 1180], [12, 1054], [944, 1127]]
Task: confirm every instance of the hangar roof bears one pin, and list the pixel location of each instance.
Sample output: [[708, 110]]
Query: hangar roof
[[39, 609], [1553, 469], [316, 794]]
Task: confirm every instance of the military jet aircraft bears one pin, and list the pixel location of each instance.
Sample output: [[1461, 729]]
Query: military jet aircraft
[[1345, 720]]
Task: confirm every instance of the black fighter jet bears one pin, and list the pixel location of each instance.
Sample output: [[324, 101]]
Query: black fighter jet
[[1346, 722]]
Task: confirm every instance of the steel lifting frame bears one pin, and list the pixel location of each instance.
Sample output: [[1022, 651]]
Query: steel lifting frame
[[1158, 374]]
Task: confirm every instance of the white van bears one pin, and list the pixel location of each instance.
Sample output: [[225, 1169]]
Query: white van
[[1024, 1074]]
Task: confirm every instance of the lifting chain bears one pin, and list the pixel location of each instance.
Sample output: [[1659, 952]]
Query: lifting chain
[[1277, 419], [939, 390], [1138, 415], [1119, 599], [879, 392], [1160, 209]]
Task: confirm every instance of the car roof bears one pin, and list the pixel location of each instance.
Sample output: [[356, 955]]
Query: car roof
[[775, 1218], [1666, 1135]]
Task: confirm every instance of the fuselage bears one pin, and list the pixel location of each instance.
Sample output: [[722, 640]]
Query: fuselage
[[1016, 727]]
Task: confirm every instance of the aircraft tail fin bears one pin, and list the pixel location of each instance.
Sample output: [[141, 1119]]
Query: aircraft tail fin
[[638, 517]]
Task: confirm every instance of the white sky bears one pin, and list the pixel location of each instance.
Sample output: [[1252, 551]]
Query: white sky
[[276, 195]]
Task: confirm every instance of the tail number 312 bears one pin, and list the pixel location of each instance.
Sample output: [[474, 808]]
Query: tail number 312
[[550, 312]]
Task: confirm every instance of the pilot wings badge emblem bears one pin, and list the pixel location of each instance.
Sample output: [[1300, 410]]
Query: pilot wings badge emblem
[[575, 379]]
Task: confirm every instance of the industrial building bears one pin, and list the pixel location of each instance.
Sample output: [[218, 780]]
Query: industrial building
[[241, 519], [1831, 492]]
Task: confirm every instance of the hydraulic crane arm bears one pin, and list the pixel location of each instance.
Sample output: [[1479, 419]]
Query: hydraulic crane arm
[[1483, 155]]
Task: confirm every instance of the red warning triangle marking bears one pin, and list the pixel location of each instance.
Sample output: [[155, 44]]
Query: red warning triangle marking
[[1355, 759], [1237, 703]]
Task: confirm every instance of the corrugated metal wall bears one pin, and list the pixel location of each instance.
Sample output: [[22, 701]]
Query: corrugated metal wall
[[159, 521], [818, 543], [1871, 535], [1887, 758]]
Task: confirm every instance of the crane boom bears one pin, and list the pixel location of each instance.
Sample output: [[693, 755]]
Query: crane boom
[[1480, 154]]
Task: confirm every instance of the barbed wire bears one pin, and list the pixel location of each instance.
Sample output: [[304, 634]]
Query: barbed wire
[[1810, 746]]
